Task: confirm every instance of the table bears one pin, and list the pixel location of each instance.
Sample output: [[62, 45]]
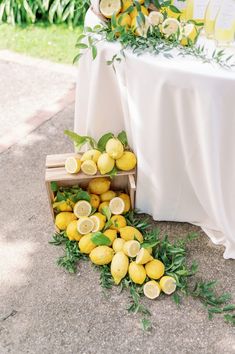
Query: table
[[179, 116]]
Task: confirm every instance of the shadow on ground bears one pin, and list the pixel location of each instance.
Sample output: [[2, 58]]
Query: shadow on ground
[[45, 310]]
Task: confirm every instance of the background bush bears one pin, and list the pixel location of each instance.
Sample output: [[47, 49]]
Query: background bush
[[52, 11]]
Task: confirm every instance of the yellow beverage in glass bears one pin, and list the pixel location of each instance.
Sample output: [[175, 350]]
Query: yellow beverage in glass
[[210, 17], [225, 23], [195, 10]]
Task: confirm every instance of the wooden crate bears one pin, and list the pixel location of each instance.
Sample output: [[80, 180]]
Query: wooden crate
[[55, 172]]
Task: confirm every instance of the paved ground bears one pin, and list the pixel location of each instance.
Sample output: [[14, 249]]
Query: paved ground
[[44, 310]]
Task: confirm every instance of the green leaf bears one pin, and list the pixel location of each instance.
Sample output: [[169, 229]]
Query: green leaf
[[146, 324], [54, 186], [103, 141], [94, 52], [176, 298], [174, 9], [107, 225], [60, 196], [81, 46], [99, 239], [123, 138], [113, 172], [230, 307], [106, 211], [149, 244], [81, 195], [79, 140]]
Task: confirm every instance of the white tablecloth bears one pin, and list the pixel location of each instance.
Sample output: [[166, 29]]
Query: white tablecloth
[[179, 116]]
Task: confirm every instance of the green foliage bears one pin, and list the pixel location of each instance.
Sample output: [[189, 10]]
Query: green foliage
[[99, 239], [52, 11], [72, 256]]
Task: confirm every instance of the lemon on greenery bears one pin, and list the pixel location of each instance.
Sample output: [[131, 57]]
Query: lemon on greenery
[[72, 232], [118, 222], [63, 219], [127, 202], [107, 196], [89, 167], [168, 284], [119, 266], [134, 12], [101, 255], [152, 289], [64, 205], [118, 244], [126, 4], [155, 269], [99, 185], [131, 248], [114, 146], [91, 154], [116, 206], [155, 18], [110, 7], [94, 201], [111, 234], [102, 207], [85, 244], [143, 256], [137, 273], [127, 161], [73, 164], [85, 225], [130, 233], [105, 163], [188, 34], [82, 208]]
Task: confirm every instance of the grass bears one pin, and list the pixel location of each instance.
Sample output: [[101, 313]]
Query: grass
[[54, 42]]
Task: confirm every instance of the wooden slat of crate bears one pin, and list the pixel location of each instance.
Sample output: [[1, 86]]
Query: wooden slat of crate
[[59, 159]]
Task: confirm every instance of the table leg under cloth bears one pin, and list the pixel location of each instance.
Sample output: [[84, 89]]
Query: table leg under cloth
[[181, 125]]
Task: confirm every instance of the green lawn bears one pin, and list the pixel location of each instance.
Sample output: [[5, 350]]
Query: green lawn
[[56, 42]]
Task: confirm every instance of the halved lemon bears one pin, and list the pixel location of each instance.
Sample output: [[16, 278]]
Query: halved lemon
[[143, 256], [168, 284], [170, 26], [82, 208], [152, 289], [155, 18], [85, 225], [89, 167], [188, 34], [73, 164], [131, 248], [109, 7], [116, 206], [99, 222]]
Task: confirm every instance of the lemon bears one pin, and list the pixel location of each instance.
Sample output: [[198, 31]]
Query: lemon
[[130, 233], [64, 205], [118, 244], [98, 224], [127, 202], [111, 234], [110, 7], [152, 289], [140, 29], [63, 219], [101, 255], [116, 206], [140, 1], [134, 12], [85, 225], [114, 146], [94, 201], [155, 269], [85, 244], [89, 167], [105, 163], [127, 161], [107, 196], [119, 266], [137, 273], [99, 185], [102, 206], [149, 249], [92, 154], [72, 232], [168, 284], [118, 221], [170, 26], [131, 248], [126, 4], [155, 18], [82, 208], [189, 34], [143, 257], [72, 164]]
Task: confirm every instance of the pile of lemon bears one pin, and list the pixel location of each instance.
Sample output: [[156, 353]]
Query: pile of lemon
[[94, 160], [108, 239], [126, 13]]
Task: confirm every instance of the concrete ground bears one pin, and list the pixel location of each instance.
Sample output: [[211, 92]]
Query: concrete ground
[[44, 310]]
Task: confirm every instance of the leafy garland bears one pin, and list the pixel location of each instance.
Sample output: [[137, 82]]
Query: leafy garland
[[173, 255]]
